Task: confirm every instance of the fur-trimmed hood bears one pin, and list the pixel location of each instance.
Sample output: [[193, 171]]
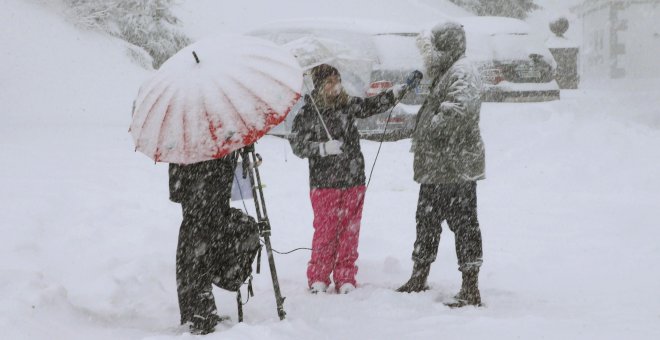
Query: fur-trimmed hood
[[441, 47]]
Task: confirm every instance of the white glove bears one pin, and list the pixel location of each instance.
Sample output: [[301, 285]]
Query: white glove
[[399, 90], [332, 147]]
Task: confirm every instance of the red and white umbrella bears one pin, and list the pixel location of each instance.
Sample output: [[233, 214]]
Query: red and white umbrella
[[213, 97]]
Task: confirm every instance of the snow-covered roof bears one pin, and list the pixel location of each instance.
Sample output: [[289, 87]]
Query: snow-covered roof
[[393, 44], [519, 46], [494, 25], [588, 6], [366, 26], [398, 52]]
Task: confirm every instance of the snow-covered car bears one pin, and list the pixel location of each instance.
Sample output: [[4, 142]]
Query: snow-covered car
[[374, 40], [515, 65], [377, 42]]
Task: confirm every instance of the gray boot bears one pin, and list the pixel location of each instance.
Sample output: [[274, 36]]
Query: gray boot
[[417, 282], [469, 294]]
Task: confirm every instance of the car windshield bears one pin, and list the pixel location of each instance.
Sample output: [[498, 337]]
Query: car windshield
[[358, 41]]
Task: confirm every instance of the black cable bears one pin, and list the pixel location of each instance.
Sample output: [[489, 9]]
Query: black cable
[[382, 139], [290, 251], [373, 166], [412, 81]]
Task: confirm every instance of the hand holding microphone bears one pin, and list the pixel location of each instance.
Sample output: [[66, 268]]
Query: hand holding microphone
[[412, 81]]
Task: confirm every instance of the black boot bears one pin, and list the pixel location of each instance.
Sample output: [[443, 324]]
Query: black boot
[[469, 294], [417, 282], [205, 314], [205, 325], [202, 325]]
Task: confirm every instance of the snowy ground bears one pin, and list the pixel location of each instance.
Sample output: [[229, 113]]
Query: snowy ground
[[568, 214]]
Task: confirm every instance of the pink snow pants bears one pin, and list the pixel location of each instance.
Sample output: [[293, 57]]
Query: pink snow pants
[[337, 215]]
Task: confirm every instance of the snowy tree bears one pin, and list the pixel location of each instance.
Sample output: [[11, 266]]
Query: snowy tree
[[507, 8], [148, 24]]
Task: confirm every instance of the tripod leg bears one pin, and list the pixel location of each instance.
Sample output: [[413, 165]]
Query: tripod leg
[[276, 284], [250, 163], [239, 302]]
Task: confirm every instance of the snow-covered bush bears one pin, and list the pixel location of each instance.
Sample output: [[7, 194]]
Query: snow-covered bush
[[148, 24], [559, 26]]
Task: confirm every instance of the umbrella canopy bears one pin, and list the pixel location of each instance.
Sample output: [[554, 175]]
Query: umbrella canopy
[[354, 66], [213, 97]]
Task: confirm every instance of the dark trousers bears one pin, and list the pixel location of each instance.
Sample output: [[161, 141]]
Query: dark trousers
[[457, 204], [193, 278]]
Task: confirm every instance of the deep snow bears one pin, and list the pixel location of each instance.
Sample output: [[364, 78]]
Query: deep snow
[[568, 215]]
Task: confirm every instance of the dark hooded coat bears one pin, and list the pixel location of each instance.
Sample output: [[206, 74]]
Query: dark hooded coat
[[447, 142]]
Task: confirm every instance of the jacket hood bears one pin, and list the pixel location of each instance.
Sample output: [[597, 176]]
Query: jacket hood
[[441, 47], [449, 37]]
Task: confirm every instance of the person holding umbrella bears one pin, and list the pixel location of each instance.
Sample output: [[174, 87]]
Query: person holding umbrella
[[204, 191], [208, 101], [324, 132]]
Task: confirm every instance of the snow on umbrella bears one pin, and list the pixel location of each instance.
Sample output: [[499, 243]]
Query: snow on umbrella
[[354, 66], [213, 97]]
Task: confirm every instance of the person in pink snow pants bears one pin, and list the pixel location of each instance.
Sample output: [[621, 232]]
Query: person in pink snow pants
[[324, 132]]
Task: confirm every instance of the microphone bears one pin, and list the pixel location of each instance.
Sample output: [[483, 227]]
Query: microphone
[[413, 79]]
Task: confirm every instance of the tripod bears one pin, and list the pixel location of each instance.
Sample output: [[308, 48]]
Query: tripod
[[251, 163]]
